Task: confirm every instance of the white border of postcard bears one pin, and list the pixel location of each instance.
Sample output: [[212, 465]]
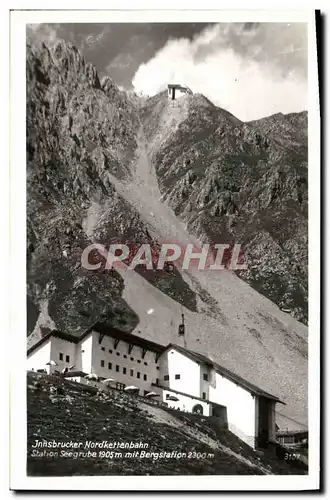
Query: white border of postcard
[[18, 478]]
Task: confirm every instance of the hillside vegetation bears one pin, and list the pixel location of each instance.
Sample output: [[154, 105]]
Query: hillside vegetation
[[65, 411]]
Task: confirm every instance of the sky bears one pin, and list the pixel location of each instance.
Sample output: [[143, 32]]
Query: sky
[[250, 69]]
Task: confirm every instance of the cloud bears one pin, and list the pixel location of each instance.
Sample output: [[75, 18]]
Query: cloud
[[42, 33], [115, 49], [251, 70]]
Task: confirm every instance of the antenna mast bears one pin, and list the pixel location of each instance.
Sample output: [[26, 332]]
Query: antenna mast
[[182, 329]]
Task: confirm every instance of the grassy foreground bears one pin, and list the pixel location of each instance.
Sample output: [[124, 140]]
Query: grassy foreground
[[170, 442]]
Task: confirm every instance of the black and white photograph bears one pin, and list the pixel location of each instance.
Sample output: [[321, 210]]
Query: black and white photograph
[[165, 205]]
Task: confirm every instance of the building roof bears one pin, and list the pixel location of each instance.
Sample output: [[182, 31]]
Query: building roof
[[175, 86], [292, 433], [53, 333], [76, 373], [179, 87], [200, 358], [103, 329]]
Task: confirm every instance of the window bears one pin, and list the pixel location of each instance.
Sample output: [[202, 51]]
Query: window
[[157, 367], [117, 368], [125, 355], [198, 409], [166, 377], [139, 360], [146, 363], [177, 376], [124, 370], [67, 359], [131, 373], [204, 395], [144, 377], [157, 381], [138, 374], [61, 356], [110, 366], [118, 353], [102, 348], [132, 359], [102, 362], [205, 376], [110, 350]]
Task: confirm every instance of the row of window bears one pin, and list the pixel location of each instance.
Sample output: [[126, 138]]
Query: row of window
[[178, 376], [125, 356], [168, 396], [138, 374], [61, 357]]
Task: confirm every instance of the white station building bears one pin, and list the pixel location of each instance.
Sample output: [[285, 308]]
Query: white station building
[[183, 379], [176, 90]]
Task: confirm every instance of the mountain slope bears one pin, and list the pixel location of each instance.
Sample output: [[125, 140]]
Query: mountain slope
[[70, 196], [99, 167], [238, 182]]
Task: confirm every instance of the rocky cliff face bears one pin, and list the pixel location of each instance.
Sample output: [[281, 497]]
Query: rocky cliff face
[[67, 163], [104, 166], [78, 131]]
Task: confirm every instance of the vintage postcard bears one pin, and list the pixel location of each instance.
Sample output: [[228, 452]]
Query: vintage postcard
[[166, 325]]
